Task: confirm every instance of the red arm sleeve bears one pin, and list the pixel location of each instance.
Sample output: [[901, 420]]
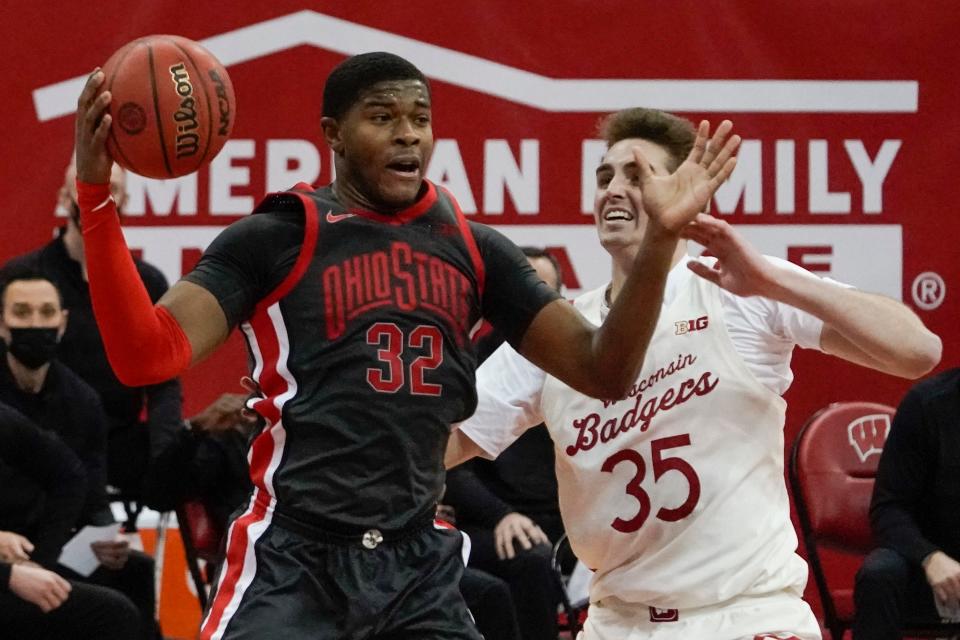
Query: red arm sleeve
[[144, 343]]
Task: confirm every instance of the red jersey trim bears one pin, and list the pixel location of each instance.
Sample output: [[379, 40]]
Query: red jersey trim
[[403, 216], [471, 243], [303, 259]]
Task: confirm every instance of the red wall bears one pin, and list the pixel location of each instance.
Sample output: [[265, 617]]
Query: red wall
[[905, 46]]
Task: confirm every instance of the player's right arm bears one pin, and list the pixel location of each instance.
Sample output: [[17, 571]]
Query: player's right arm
[[146, 343]]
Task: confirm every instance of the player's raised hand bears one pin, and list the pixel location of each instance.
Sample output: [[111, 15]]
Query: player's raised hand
[[92, 127], [740, 268], [675, 199]]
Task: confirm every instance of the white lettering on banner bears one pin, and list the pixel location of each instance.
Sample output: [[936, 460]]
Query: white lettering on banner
[[290, 162], [786, 177], [224, 176], [447, 170], [162, 195], [869, 257], [745, 182], [501, 173], [872, 174], [822, 200]]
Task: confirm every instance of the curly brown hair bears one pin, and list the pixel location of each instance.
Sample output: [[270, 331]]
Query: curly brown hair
[[671, 132]]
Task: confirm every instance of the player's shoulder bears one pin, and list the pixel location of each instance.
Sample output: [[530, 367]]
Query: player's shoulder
[[592, 299]]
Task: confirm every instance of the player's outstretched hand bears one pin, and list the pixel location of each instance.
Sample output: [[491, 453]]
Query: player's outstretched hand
[[93, 125], [740, 268], [516, 527], [43, 588], [674, 200]]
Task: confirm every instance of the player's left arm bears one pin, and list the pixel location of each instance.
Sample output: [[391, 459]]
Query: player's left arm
[[864, 328]]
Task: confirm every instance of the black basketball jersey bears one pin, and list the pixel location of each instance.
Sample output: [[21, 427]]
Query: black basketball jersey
[[364, 355]]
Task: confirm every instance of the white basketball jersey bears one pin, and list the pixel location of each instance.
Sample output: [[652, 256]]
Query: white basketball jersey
[[678, 489]]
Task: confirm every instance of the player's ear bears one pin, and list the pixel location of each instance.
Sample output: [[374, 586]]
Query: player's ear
[[332, 133]]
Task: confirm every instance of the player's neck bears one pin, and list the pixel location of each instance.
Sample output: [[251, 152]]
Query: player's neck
[[73, 241], [28, 380], [623, 260]]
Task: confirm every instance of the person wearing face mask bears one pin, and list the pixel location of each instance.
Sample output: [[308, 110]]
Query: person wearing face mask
[[64, 260], [34, 382]]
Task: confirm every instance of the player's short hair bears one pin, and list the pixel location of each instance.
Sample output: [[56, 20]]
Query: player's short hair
[[24, 273], [540, 252], [353, 76], [671, 132]]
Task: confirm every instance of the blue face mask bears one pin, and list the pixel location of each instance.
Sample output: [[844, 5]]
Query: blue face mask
[[33, 347]]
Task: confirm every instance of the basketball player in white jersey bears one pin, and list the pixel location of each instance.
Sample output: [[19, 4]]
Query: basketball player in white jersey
[[675, 495]]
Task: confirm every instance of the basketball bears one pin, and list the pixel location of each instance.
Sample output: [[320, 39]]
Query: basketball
[[172, 106]]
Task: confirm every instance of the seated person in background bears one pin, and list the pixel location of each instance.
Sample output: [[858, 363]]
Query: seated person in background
[[42, 491], [914, 574], [64, 261], [509, 508], [35, 383], [205, 458], [488, 597]]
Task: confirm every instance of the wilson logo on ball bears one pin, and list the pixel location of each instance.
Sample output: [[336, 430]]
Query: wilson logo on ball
[[172, 104], [186, 115]]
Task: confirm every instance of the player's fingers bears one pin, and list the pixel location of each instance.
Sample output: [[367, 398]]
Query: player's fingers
[[94, 80], [644, 170], [722, 175], [726, 152], [705, 272], [700, 143], [538, 536], [717, 142], [99, 139], [26, 545]]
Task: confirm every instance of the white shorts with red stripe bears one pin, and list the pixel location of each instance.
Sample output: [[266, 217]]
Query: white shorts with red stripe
[[782, 616]]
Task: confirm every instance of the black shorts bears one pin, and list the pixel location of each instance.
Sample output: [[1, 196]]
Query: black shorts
[[299, 583]]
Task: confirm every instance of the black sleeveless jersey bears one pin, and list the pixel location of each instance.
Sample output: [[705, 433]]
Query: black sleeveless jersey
[[363, 354]]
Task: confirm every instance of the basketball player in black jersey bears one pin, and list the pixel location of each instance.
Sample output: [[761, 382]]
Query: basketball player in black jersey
[[357, 301]]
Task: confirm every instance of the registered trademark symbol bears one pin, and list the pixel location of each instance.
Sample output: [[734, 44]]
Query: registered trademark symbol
[[929, 290]]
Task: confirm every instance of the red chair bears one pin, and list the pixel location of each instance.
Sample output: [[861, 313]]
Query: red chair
[[202, 540], [832, 470]]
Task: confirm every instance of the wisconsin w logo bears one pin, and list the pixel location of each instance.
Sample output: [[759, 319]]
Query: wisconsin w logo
[[868, 434]]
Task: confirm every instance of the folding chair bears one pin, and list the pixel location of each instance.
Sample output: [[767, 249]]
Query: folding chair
[[832, 471], [574, 613], [202, 540]]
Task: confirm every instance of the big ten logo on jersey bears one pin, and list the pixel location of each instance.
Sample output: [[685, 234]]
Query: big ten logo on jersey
[[868, 434], [687, 326]]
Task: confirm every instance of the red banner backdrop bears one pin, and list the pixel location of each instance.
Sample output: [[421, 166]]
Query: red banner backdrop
[[847, 110]]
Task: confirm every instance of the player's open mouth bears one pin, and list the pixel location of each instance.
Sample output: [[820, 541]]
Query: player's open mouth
[[406, 167], [611, 215]]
